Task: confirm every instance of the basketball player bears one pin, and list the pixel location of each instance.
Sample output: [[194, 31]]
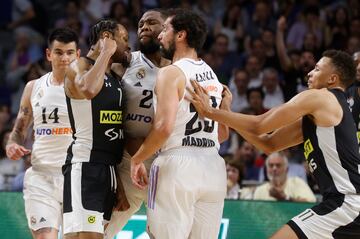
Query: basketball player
[[188, 177], [43, 102], [139, 81], [320, 118], [95, 103]]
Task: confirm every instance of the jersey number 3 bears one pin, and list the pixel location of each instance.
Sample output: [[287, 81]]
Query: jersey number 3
[[208, 125], [52, 116]]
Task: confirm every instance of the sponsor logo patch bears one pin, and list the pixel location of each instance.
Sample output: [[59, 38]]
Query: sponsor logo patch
[[110, 117]]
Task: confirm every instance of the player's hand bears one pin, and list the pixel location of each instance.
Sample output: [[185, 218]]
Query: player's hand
[[107, 45], [199, 98], [15, 151], [139, 175], [226, 98]]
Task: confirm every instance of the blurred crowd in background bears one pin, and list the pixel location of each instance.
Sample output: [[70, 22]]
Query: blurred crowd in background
[[261, 49]]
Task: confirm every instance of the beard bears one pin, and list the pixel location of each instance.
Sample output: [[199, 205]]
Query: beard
[[149, 48], [168, 53]]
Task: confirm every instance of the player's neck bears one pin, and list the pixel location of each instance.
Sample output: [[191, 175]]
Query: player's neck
[[185, 52], [157, 59], [57, 77]]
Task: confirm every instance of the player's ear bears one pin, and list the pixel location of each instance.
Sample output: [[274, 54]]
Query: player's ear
[[181, 35], [333, 78]]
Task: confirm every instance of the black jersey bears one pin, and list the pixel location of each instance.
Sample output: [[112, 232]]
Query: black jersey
[[333, 153], [353, 95], [97, 125]]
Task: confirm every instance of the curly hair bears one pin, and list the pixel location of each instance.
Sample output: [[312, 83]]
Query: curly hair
[[101, 26]]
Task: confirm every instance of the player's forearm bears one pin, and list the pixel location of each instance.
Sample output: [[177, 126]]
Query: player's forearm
[[237, 121], [92, 81]]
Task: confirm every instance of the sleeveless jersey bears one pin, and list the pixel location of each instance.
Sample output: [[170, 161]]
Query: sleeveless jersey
[[97, 125], [333, 153], [139, 82], [52, 129], [189, 129], [354, 102]]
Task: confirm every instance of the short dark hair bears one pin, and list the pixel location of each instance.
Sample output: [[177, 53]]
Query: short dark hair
[[344, 65], [163, 12], [64, 35], [255, 89], [192, 23], [101, 26]]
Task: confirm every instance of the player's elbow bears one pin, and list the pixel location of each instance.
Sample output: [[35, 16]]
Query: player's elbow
[[163, 129]]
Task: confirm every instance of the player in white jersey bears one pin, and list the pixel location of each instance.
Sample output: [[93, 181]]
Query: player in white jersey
[[43, 103], [188, 178], [139, 81]]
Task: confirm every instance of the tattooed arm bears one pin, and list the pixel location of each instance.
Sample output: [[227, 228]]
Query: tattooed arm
[[14, 148]]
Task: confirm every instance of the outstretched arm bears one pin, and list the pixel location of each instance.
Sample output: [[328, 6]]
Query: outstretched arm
[[14, 148], [275, 124]]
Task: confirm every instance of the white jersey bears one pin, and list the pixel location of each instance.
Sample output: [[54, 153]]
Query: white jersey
[[52, 128], [189, 129], [139, 82]]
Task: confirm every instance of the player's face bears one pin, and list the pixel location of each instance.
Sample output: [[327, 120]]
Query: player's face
[[62, 54], [149, 28], [122, 54], [319, 77], [167, 40]]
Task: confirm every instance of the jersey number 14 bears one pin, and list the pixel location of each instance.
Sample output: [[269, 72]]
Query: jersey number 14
[[52, 116]]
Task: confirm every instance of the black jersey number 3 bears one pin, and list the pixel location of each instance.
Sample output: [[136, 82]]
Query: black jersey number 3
[[192, 127]]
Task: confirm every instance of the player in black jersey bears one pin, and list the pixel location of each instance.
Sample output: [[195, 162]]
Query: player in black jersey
[[353, 94], [320, 118], [95, 103]]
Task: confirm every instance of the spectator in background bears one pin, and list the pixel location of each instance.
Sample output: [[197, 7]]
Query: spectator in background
[[337, 29], [280, 187], [246, 155], [4, 116], [353, 45], [235, 173], [17, 184], [355, 27], [310, 23], [8, 168], [223, 59], [295, 64], [240, 82], [231, 25], [253, 67], [255, 97], [274, 95]]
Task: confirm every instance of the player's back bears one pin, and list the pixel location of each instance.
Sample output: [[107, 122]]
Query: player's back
[[52, 129], [189, 129]]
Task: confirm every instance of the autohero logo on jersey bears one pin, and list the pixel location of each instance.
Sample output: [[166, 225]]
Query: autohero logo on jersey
[[53, 131], [110, 117]]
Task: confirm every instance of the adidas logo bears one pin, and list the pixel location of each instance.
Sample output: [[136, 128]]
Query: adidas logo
[[138, 84], [37, 104], [42, 219]]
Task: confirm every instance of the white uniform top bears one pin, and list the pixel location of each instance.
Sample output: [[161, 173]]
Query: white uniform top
[[52, 128], [189, 129], [139, 82]]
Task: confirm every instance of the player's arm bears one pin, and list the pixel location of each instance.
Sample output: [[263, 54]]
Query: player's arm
[[223, 130], [168, 84], [89, 82], [14, 148], [310, 102], [169, 88]]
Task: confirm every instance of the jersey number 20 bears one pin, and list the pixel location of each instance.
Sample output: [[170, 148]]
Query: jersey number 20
[[208, 125]]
